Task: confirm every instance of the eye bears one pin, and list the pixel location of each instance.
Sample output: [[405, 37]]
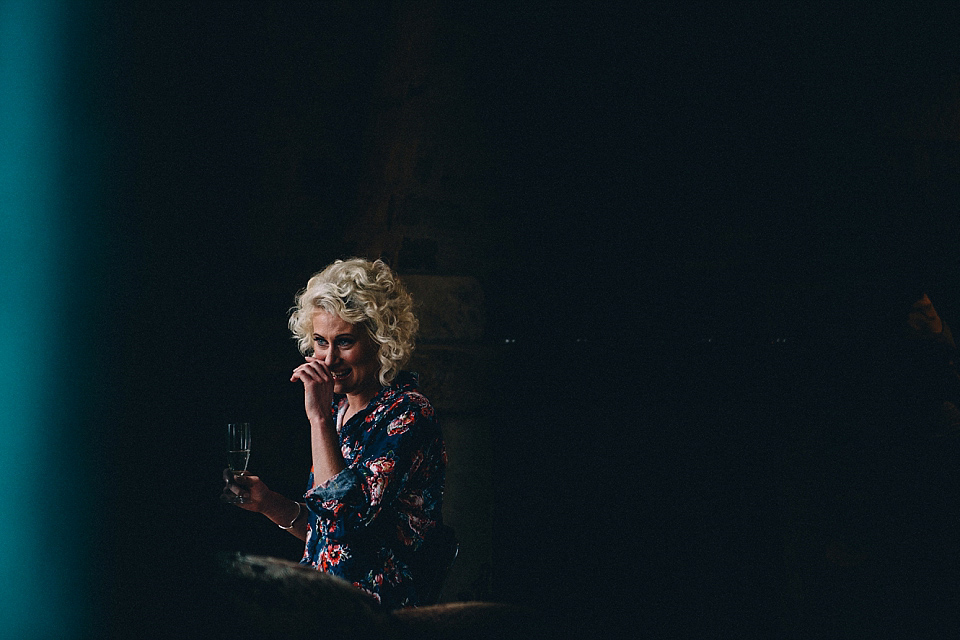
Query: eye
[[345, 342], [318, 340]]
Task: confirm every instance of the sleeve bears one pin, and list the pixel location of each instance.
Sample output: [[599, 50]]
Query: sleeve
[[356, 497]]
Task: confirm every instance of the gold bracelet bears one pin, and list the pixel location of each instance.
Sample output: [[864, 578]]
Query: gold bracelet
[[295, 518]]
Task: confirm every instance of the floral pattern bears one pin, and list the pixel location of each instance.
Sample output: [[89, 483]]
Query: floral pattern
[[367, 523]]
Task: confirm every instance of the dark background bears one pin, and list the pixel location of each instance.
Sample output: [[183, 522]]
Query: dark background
[[698, 212]]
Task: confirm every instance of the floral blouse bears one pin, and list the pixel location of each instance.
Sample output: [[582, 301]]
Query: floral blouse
[[368, 523]]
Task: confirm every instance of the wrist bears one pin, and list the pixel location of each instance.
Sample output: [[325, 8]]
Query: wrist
[[323, 423], [278, 509], [292, 521]]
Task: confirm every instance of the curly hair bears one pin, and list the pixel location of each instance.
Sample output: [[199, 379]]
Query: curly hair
[[362, 293]]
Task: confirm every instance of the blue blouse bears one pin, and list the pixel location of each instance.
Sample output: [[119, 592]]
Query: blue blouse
[[368, 523]]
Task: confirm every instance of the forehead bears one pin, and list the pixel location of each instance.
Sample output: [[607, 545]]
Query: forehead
[[329, 324]]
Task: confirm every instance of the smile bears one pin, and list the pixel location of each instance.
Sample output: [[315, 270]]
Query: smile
[[340, 375]]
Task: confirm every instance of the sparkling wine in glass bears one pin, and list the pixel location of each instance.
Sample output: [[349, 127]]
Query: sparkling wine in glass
[[238, 450]]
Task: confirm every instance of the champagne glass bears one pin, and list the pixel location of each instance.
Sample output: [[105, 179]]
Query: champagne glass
[[238, 451]]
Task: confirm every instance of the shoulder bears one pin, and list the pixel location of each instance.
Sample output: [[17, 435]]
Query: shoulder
[[405, 413], [404, 395], [414, 401], [411, 403], [400, 399]]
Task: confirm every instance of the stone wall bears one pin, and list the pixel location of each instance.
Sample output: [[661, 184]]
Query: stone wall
[[425, 206], [457, 376]]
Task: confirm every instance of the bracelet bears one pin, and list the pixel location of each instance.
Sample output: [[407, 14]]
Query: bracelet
[[295, 518]]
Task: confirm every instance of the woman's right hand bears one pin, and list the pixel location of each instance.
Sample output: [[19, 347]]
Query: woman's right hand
[[251, 488]]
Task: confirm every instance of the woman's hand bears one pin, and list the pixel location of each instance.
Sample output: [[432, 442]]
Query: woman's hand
[[285, 513], [251, 488], [317, 390]]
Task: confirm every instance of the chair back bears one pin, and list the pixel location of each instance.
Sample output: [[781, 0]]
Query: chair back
[[437, 556]]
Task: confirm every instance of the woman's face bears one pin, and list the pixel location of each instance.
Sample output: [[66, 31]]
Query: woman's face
[[349, 353]]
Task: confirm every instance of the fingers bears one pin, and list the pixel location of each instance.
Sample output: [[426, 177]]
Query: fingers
[[229, 475], [312, 370], [239, 480], [232, 491], [245, 480], [243, 486]]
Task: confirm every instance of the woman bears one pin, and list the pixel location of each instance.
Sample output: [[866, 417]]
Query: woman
[[372, 510]]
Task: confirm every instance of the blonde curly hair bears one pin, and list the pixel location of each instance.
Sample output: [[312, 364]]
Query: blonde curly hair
[[364, 293]]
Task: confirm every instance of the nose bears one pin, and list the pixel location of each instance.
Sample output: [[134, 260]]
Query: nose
[[330, 356]]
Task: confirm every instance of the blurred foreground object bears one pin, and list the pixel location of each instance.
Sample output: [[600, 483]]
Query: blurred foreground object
[[267, 597]]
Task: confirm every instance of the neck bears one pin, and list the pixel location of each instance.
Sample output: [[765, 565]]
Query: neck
[[357, 401]]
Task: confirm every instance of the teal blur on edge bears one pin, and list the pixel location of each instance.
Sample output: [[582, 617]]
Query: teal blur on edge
[[43, 587]]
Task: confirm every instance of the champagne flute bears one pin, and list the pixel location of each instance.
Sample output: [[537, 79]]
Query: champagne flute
[[238, 451]]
